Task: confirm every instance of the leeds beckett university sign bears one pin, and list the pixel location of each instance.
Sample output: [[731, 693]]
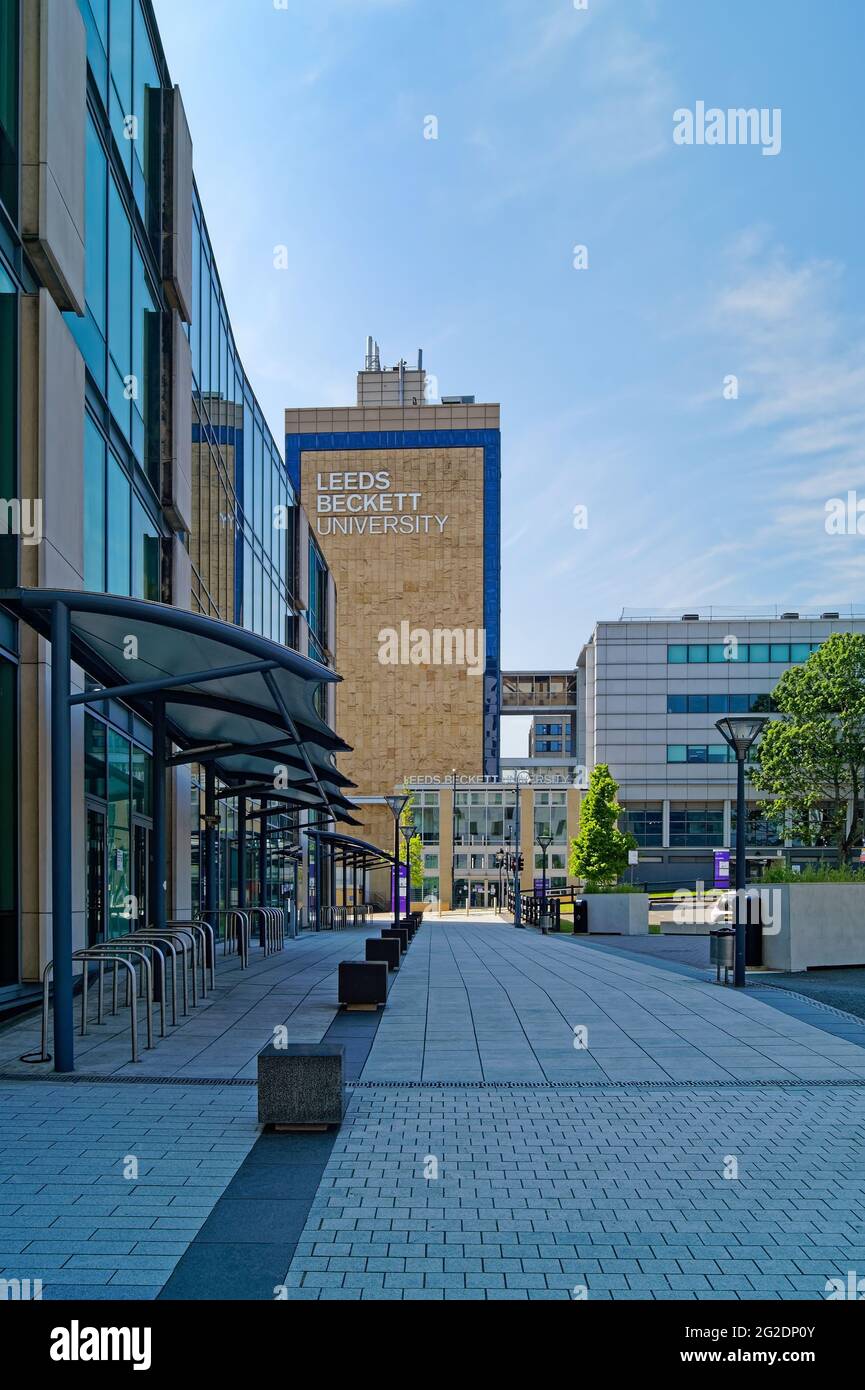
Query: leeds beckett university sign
[[364, 504]]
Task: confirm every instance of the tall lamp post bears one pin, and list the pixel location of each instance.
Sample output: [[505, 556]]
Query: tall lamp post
[[397, 804], [544, 841], [409, 831], [740, 731]]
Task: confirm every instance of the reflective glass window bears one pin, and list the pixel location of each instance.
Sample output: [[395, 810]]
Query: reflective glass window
[[94, 508], [118, 528]]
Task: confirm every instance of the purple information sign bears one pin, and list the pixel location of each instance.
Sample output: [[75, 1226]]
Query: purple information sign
[[722, 868]]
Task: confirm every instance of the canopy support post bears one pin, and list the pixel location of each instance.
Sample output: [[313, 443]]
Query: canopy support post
[[211, 892], [61, 838], [157, 866]]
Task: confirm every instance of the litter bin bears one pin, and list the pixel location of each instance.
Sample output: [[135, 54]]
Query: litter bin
[[722, 950], [754, 931], [581, 915]]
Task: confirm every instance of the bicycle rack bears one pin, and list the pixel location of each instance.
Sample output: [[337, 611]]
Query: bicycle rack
[[204, 931], [168, 937], [84, 956], [266, 931], [121, 945], [241, 934]]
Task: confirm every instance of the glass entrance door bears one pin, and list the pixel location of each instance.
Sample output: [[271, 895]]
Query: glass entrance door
[[96, 883], [141, 872], [478, 894]]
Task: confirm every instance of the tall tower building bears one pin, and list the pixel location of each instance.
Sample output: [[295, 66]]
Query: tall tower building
[[403, 497]]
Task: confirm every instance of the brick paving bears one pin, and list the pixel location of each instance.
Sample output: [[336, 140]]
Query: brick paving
[[483, 1156], [615, 1193]]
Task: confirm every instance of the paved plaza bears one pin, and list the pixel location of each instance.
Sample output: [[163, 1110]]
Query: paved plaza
[[530, 1117]]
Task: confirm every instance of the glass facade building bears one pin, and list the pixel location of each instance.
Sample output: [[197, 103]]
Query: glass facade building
[[114, 324]]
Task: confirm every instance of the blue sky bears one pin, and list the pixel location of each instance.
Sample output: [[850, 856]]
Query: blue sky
[[556, 129]]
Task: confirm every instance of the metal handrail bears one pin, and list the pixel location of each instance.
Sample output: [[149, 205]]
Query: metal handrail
[[84, 956]]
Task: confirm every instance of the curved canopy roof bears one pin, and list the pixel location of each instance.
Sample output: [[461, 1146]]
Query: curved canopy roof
[[232, 698], [347, 844]]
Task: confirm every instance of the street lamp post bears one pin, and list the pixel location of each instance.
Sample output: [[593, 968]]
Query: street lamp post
[[544, 841], [397, 804], [740, 731], [409, 831], [518, 902]]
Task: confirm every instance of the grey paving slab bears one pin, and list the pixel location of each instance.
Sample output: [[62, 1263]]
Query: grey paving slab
[[484, 1000]]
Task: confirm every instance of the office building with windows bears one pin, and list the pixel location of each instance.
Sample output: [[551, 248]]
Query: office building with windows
[[134, 459], [652, 689], [467, 822], [403, 497]]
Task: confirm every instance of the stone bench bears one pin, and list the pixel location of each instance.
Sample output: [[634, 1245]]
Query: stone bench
[[380, 948], [399, 934], [362, 984], [300, 1086]]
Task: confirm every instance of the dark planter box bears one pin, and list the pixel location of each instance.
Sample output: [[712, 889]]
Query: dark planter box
[[399, 934], [300, 1086], [389, 951], [362, 983]]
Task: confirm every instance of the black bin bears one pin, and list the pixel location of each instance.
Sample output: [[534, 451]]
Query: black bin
[[581, 915]]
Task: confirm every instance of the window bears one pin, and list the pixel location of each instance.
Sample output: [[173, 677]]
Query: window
[[8, 823], [696, 826], [698, 704], [95, 755], [800, 651], [677, 704], [759, 651], [9, 52], [8, 418], [780, 651], [699, 753], [94, 508], [146, 579], [718, 651], [698, 652], [119, 496], [677, 655], [119, 309], [645, 823]]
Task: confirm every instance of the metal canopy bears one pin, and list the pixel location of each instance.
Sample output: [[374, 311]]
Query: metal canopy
[[229, 699], [223, 688], [349, 845]]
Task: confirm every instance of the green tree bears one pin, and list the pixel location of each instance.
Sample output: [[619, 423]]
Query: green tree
[[415, 862], [599, 853], [814, 754]]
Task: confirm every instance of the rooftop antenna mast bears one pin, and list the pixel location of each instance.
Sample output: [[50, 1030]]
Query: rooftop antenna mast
[[372, 361]]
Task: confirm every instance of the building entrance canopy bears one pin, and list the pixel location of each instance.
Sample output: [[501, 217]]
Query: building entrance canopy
[[239, 704]]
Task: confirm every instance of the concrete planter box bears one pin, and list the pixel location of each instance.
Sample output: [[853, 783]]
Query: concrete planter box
[[300, 1086], [618, 914], [820, 924], [362, 983], [381, 949], [399, 934]]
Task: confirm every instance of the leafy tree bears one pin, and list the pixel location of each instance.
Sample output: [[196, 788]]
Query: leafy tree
[[415, 862], [599, 854], [814, 754]]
